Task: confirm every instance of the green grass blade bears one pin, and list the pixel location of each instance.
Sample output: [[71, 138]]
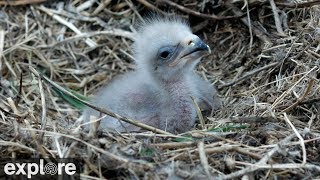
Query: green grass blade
[[75, 103]]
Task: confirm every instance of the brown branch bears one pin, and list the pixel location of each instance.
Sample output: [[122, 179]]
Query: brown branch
[[299, 5], [249, 74], [20, 2], [308, 89], [291, 4], [151, 6], [195, 13]]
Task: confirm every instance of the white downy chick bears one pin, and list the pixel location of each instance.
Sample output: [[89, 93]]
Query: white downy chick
[[158, 92]]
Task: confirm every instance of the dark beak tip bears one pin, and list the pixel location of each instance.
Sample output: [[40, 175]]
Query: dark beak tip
[[201, 46]]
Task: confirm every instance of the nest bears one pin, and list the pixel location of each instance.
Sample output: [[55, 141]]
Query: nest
[[264, 62]]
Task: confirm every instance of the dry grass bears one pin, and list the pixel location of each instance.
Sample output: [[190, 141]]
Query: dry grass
[[265, 65]]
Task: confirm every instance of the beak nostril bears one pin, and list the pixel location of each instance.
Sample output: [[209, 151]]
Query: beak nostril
[[191, 43]]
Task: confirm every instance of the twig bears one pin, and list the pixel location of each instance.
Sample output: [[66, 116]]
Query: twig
[[246, 152], [250, 119], [14, 107], [308, 89], [294, 143], [20, 2], [204, 159], [260, 34], [134, 9], [15, 144], [85, 5], [88, 41], [1, 46], [150, 6], [309, 101], [249, 25], [299, 5], [10, 113], [150, 134], [113, 32], [205, 16], [94, 124], [102, 151], [276, 18], [279, 99], [102, 110], [304, 152], [43, 105], [212, 150], [263, 161], [294, 4], [249, 74], [101, 7], [314, 53], [18, 97], [174, 145], [40, 148], [282, 166], [203, 124]]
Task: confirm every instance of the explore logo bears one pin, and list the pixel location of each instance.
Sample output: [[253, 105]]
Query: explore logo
[[39, 167]]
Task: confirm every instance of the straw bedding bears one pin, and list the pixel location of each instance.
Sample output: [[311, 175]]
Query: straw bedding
[[264, 62]]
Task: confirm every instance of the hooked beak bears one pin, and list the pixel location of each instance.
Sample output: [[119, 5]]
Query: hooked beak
[[196, 47]]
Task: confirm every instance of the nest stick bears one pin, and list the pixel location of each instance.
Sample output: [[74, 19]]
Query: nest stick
[[304, 152]]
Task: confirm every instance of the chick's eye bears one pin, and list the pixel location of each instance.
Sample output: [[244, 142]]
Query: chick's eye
[[165, 52]]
